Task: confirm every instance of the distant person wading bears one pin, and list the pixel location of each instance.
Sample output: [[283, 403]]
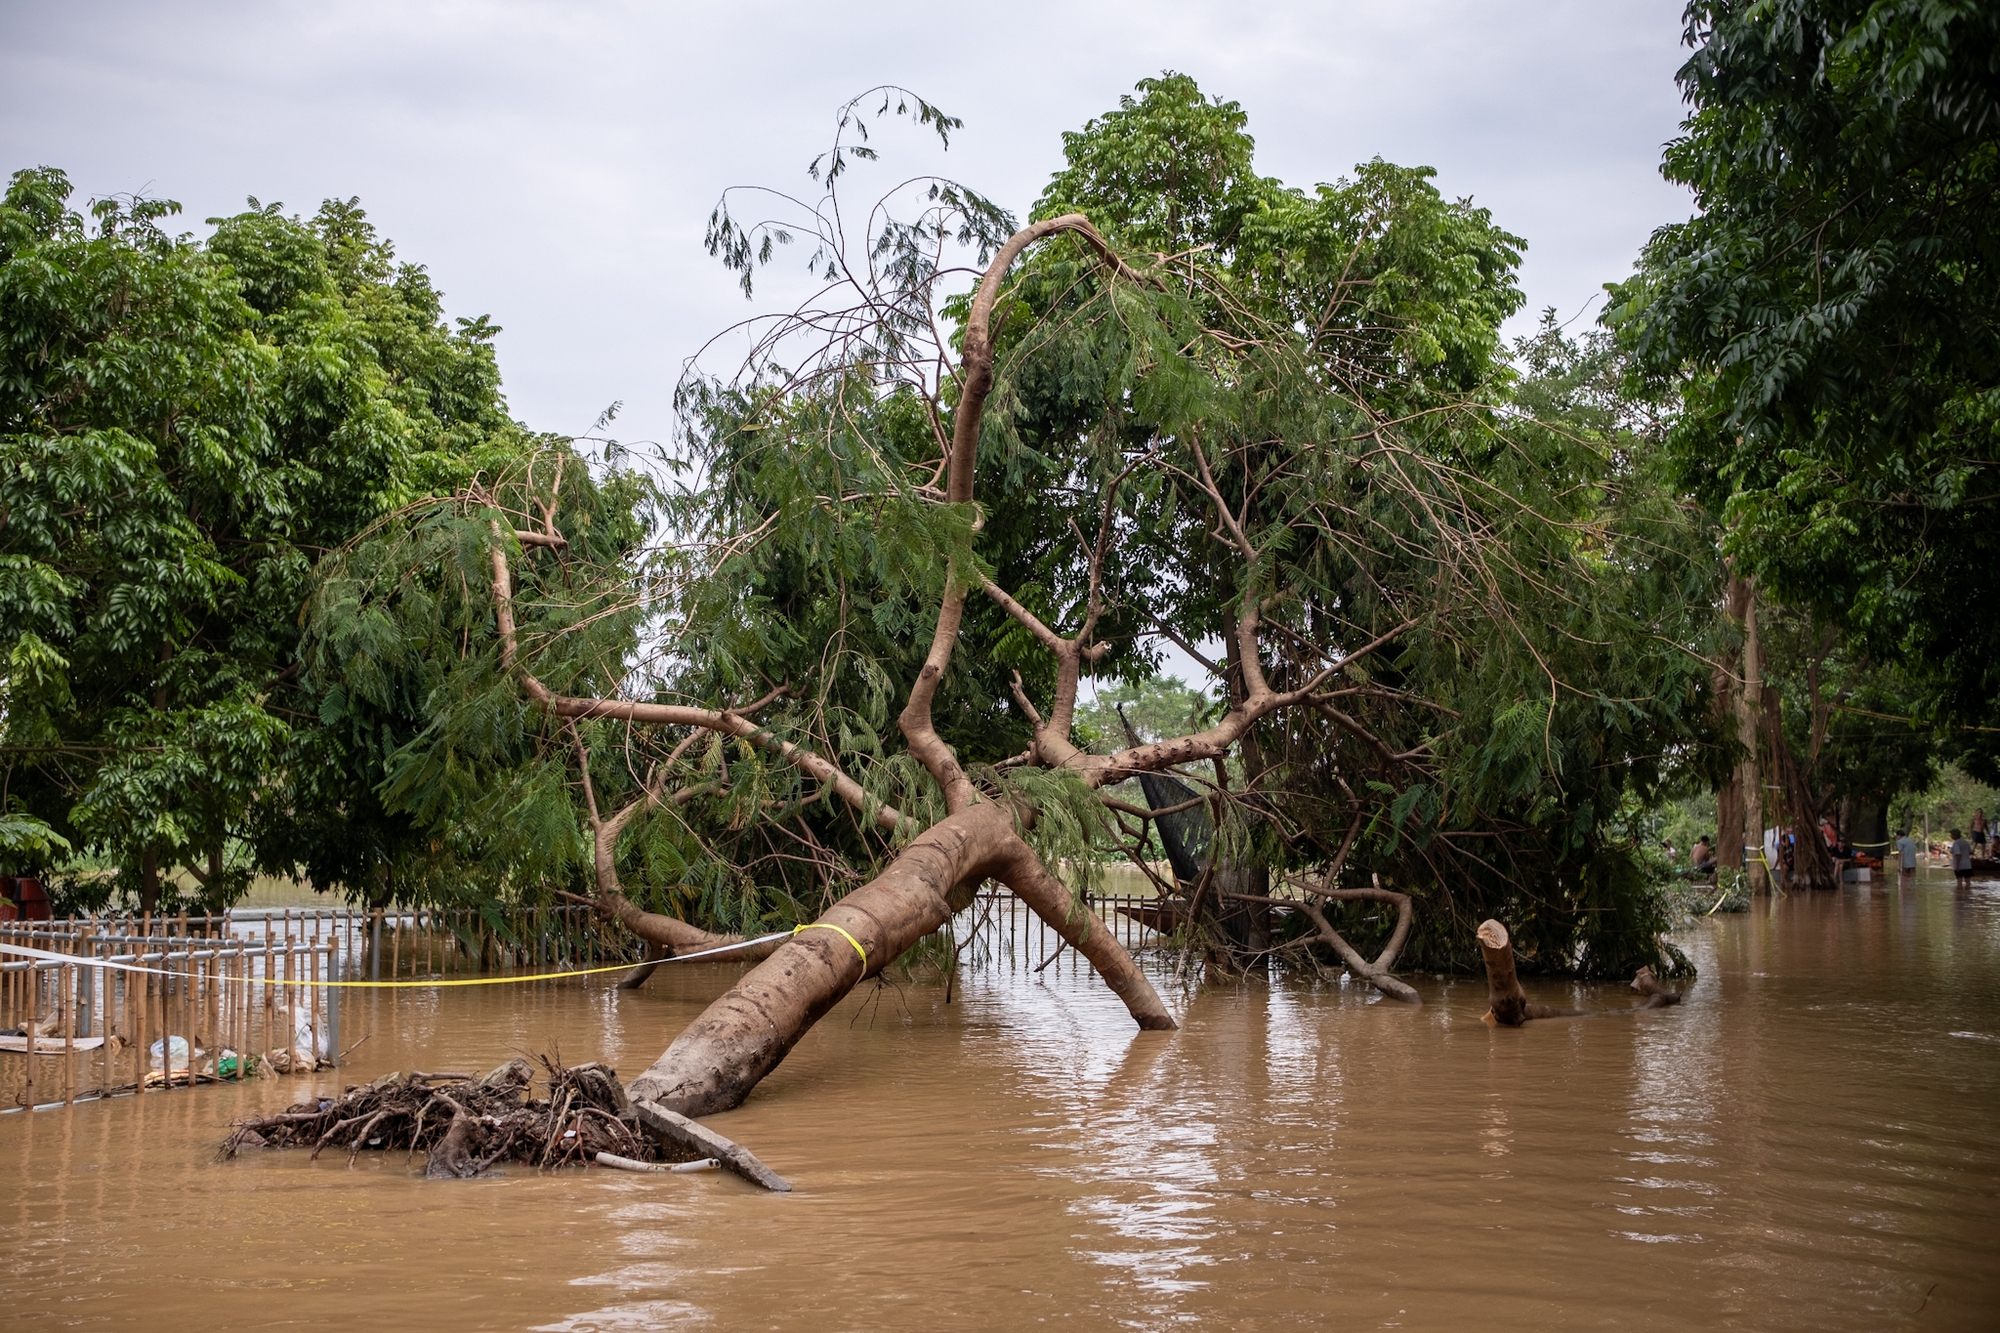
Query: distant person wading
[[1906, 851], [1961, 858]]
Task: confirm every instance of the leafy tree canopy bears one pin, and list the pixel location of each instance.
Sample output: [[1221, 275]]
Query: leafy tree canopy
[[1829, 320], [1300, 443], [185, 427]]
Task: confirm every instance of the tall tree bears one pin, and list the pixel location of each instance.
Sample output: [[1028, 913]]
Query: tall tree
[[184, 427], [1829, 318], [1445, 623]]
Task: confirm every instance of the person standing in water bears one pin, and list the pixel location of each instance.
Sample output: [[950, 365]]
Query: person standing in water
[[1906, 851], [1979, 832], [1961, 858]]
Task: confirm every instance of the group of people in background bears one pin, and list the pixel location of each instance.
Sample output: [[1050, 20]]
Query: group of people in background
[[1962, 850]]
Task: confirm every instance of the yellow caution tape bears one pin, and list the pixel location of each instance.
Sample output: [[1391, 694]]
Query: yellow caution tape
[[828, 925], [83, 960]]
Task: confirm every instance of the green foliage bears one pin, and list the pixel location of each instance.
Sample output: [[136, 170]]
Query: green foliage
[[1948, 803], [1828, 320], [1156, 708], [1536, 602], [1169, 171], [25, 839], [1337, 357], [184, 427], [400, 649]]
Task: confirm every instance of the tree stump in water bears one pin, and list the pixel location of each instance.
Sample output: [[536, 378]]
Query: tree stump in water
[[1657, 996], [1509, 1006], [1507, 1003]]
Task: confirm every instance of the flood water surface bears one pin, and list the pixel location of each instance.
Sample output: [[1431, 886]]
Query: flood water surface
[[1811, 1142]]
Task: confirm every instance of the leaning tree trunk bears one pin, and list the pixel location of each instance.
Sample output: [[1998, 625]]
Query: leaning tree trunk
[[722, 1055], [741, 1037], [1812, 863]]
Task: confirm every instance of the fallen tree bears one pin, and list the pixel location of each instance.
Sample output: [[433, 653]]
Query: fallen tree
[[845, 692]]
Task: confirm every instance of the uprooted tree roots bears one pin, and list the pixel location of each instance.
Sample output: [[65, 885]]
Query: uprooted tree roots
[[466, 1125]]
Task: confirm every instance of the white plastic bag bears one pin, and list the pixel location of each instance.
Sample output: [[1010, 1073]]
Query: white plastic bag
[[182, 1055]]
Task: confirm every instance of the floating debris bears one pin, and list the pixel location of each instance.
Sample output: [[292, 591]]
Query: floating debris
[[465, 1125]]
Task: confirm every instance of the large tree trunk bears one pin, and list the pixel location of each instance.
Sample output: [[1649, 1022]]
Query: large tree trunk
[[1242, 920], [1729, 796], [1812, 863], [1749, 772], [722, 1055]]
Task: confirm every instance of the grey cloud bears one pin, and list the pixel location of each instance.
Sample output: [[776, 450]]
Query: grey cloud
[[553, 164]]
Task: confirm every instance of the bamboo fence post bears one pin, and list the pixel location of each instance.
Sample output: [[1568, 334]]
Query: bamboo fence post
[[66, 978], [316, 961], [243, 1014], [212, 1006], [250, 992], [166, 1015], [185, 1001], [264, 987], [136, 984], [291, 1003], [112, 1014], [169, 1007]]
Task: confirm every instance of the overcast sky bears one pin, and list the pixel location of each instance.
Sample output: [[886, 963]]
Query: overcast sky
[[553, 164]]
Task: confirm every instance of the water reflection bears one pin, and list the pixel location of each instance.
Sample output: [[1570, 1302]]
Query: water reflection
[[1806, 1143]]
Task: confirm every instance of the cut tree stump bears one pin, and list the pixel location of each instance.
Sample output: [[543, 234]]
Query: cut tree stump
[[1657, 996], [1507, 1003], [1509, 1006]]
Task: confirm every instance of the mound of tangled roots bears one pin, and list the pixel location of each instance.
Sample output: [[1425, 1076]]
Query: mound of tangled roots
[[465, 1125]]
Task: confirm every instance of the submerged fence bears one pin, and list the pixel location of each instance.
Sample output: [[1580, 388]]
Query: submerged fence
[[129, 1004], [1001, 931]]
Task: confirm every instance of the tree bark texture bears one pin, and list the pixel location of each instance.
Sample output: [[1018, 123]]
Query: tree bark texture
[[1812, 863], [741, 1037], [1507, 1004], [1749, 772], [1729, 796], [1377, 973]]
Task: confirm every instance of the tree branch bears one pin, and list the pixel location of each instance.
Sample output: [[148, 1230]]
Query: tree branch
[[975, 383], [727, 721]]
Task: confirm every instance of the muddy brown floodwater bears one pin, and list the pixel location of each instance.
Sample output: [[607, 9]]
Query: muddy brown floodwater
[[1811, 1142]]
